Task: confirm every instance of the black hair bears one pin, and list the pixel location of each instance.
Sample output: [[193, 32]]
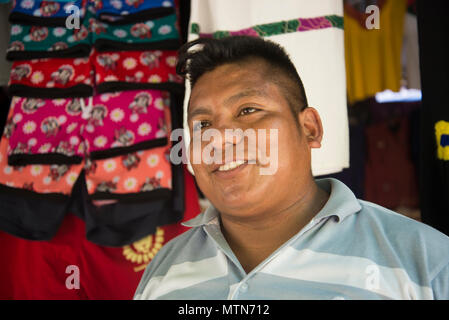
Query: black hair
[[192, 64]]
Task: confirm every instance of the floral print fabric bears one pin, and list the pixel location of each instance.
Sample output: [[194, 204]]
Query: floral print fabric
[[141, 171], [38, 178], [135, 67], [161, 33], [43, 76], [100, 154], [38, 41], [45, 13], [68, 129], [113, 11], [45, 9], [28, 42]]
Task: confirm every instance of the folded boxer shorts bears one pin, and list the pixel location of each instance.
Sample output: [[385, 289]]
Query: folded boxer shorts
[[106, 273], [45, 13], [145, 189], [133, 215], [160, 34], [33, 199], [142, 191], [156, 69], [52, 78], [129, 11], [64, 131], [34, 42]]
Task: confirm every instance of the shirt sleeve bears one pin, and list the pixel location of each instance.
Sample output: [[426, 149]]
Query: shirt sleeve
[[157, 268], [440, 284], [143, 281], [153, 269]]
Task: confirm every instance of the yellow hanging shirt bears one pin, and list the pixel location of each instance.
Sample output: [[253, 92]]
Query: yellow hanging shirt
[[373, 57]]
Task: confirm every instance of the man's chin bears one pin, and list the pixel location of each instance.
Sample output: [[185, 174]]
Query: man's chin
[[235, 205]]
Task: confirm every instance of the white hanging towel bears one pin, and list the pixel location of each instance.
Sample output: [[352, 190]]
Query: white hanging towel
[[312, 34]]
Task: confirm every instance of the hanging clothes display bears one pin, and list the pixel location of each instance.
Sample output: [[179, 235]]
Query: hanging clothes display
[[105, 272], [45, 13], [150, 69], [312, 34], [373, 56], [390, 175], [160, 33], [127, 11], [103, 156], [136, 103], [87, 171], [36, 41], [51, 78], [66, 135]]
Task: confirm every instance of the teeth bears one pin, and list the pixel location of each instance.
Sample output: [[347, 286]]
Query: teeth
[[231, 165]]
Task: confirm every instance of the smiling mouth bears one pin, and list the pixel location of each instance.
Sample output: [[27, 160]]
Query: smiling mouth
[[231, 169], [231, 165]]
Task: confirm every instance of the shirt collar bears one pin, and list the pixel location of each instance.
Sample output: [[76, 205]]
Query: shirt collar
[[341, 203], [209, 216]]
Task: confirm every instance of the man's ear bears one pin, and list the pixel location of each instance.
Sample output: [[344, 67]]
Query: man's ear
[[312, 127]]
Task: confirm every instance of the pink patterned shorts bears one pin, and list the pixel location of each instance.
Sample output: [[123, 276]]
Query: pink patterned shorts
[[64, 131]]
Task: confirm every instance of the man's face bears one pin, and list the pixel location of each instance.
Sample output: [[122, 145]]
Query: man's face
[[239, 96]]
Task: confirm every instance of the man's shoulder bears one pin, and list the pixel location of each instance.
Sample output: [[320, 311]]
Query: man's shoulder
[[396, 223], [176, 257], [408, 238], [191, 246], [181, 245]]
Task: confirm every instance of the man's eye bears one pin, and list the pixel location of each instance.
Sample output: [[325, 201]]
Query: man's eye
[[198, 125], [247, 110]]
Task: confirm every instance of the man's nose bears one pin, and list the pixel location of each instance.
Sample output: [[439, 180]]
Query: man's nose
[[230, 134]]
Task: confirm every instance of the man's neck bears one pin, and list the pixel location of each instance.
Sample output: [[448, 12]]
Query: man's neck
[[252, 241]]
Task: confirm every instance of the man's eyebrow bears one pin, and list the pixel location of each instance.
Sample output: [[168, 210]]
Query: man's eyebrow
[[198, 111], [245, 93]]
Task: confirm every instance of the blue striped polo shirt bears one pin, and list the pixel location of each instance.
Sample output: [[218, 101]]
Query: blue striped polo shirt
[[351, 249]]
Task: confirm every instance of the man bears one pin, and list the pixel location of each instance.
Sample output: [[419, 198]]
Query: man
[[281, 235]]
